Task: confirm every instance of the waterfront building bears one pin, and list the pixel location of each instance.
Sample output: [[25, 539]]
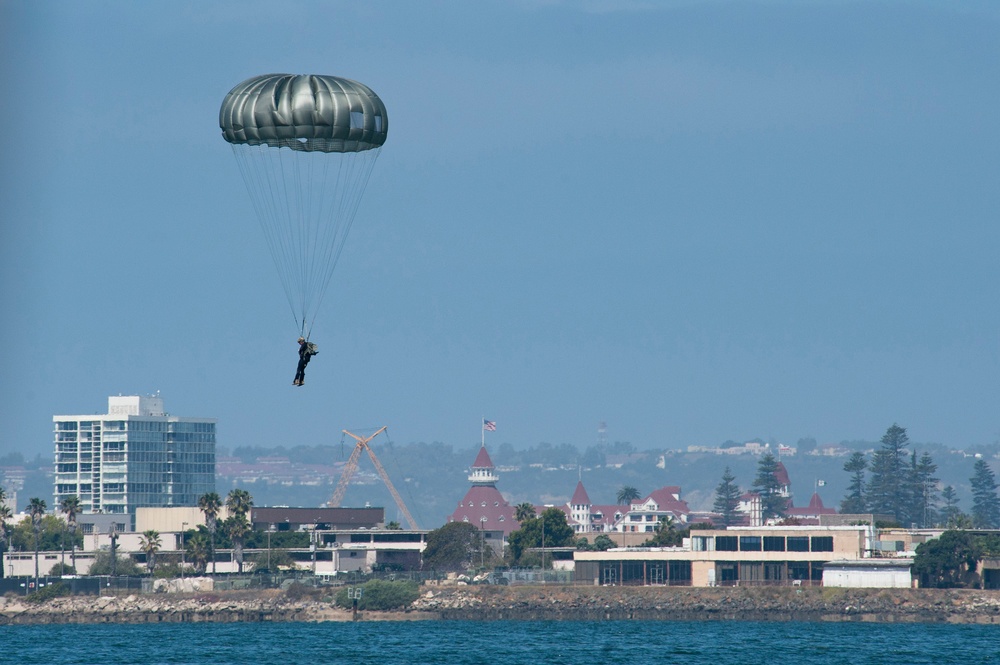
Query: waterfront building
[[136, 455], [727, 557]]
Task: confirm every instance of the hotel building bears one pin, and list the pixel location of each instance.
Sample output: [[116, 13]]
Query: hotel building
[[136, 455]]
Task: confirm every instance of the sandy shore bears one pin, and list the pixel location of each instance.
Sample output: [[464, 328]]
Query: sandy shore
[[531, 603]]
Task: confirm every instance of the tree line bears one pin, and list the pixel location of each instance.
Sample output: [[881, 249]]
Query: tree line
[[902, 485]]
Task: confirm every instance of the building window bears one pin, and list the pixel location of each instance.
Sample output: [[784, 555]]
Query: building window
[[774, 543], [798, 543], [727, 543], [750, 543], [822, 543]]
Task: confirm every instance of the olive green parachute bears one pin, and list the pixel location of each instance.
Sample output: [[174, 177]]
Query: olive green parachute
[[306, 146]]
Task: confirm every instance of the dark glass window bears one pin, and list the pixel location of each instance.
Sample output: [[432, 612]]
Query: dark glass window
[[774, 543], [798, 543], [727, 543], [750, 543], [822, 543]]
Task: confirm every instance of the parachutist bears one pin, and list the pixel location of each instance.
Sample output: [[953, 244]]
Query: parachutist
[[306, 351]]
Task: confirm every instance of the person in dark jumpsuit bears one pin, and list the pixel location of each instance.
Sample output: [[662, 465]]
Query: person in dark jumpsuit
[[304, 357]]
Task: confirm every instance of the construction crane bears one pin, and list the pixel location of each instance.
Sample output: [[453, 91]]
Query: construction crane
[[352, 466]]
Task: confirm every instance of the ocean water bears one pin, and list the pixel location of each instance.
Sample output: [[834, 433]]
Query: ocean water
[[503, 643]]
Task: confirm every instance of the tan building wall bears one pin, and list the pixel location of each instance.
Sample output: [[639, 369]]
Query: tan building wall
[[171, 519]]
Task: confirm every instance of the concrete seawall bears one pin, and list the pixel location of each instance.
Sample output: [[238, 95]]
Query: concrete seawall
[[533, 604]]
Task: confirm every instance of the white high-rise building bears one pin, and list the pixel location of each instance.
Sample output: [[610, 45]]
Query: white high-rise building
[[134, 456]]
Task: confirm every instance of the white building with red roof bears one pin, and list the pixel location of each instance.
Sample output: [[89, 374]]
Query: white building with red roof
[[586, 517], [483, 506], [646, 514]]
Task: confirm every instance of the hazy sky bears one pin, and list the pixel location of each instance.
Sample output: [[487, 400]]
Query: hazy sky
[[695, 221]]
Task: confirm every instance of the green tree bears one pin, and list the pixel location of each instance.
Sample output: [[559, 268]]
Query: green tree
[[71, 507], [524, 511], [854, 502], [951, 512], [923, 490], [210, 504], [727, 499], [197, 551], [393, 526], [5, 517], [627, 494], [766, 484], [666, 534], [547, 530], [453, 547], [52, 533], [105, 563], [150, 544], [236, 528], [603, 543], [985, 503], [277, 559], [239, 502], [948, 561], [36, 509], [806, 445], [886, 492], [382, 595]]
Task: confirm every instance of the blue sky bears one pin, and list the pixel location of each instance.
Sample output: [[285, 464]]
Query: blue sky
[[694, 221]]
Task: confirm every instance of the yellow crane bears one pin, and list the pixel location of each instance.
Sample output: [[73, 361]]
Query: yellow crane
[[352, 466]]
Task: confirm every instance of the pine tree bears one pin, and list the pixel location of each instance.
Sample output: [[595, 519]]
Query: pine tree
[[923, 490], [985, 502], [854, 502], [887, 493], [727, 499], [772, 503], [951, 512]]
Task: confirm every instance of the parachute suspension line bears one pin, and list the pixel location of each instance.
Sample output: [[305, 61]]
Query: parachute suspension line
[[265, 200], [305, 203], [359, 168]]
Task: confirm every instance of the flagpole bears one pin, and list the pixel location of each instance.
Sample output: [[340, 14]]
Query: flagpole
[[484, 432]]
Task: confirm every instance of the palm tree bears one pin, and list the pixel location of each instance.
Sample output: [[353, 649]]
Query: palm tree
[[36, 508], [524, 511], [197, 552], [5, 516], [210, 504], [238, 527], [149, 543], [70, 506], [239, 502], [627, 494]]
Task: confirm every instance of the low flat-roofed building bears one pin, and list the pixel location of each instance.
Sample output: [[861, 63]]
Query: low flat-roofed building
[[869, 573], [323, 519], [735, 556]]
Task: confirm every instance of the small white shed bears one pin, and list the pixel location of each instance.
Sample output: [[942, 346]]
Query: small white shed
[[868, 573]]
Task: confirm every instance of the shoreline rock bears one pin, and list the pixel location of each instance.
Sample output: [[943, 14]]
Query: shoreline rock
[[532, 603]]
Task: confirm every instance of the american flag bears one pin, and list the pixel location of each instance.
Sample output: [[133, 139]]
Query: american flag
[[489, 425]]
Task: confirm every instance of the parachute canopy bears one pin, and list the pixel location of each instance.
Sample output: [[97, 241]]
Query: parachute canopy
[[308, 113], [306, 196]]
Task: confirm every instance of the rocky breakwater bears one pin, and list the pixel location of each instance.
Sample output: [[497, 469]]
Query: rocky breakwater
[[701, 604], [159, 608]]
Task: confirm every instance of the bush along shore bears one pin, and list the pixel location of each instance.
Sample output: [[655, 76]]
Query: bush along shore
[[532, 603]]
